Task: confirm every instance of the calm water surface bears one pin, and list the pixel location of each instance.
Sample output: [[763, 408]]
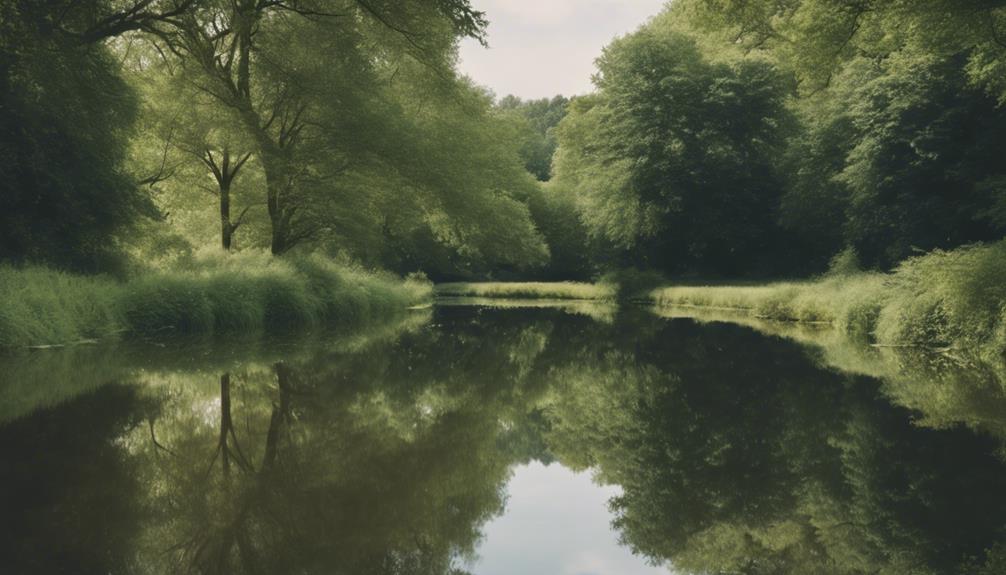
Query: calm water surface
[[472, 439]]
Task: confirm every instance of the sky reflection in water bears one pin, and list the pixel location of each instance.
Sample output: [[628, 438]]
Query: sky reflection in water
[[556, 523], [419, 448]]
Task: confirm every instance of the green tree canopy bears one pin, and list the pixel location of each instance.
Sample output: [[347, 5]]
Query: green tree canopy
[[65, 116], [675, 156]]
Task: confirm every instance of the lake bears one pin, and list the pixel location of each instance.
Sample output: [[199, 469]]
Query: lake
[[504, 438]]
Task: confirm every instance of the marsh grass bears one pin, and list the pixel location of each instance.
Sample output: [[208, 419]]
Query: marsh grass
[[530, 290], [40, 306], [214, 294], [943, 299], [850, 301]]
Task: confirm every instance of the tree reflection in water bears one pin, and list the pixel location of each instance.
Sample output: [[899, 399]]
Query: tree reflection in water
[[736, 452]]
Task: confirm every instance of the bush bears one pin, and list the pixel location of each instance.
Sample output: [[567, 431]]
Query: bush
[[952, 297], [632, 284]]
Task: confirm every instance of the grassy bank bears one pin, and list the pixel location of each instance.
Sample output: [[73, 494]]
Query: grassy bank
[[943, 299], [224, 294], [529, 290]]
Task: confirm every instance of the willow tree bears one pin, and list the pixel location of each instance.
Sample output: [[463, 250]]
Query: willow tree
[[302, 79]]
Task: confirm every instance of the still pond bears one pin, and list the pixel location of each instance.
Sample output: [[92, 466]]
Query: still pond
[[500, 440]]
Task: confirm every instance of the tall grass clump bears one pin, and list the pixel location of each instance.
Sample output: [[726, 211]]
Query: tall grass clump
[[167, 302], [942, 299], [852, 303], [213, 293], [40, 306], [221, 293], [530, 290], [955, 298]]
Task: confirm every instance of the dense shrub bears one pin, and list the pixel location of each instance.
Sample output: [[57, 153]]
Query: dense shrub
[[632, 283]]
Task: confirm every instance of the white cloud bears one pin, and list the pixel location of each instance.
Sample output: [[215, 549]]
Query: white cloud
[[540, 48]]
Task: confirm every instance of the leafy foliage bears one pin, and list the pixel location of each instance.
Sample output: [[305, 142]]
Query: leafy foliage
[[674, 157], [66, 114], [539, 119]]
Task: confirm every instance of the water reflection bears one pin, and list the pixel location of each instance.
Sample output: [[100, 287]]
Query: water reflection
[[389, 451], [556, 523]]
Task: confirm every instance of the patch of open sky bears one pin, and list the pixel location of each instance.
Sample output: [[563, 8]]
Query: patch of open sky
[[542, 48], [557, 522]]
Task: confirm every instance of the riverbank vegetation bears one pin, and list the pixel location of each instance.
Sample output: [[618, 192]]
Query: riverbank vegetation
[[529, 290], [221, 295], [944, 299], [725, 142], [308, 141]]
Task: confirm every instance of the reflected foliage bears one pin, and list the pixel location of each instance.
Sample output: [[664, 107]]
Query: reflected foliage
[[736, 452]]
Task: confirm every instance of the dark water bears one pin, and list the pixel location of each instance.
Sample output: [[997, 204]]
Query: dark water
[[465, 441]]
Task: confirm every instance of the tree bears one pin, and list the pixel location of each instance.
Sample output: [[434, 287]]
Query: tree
[[816, 37], [900, 113], [299, 101], [905, 153], [674, 159], [538, 119], [66, 116], [185, 140], [458, 181]]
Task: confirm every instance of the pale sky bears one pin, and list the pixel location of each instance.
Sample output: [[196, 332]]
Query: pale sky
[[556, 522], [541, 48]]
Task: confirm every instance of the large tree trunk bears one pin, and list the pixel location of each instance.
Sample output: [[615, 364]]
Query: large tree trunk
[[226, 227], [277, 186], [280, 234]]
